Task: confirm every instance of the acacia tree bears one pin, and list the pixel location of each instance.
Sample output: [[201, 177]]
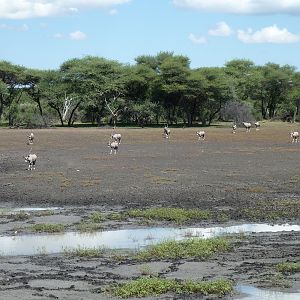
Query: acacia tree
[[140, 108], [33, 79], [217, 91], [99, 82], [53, 89], [174, 72], [193, 95], [12, 83]]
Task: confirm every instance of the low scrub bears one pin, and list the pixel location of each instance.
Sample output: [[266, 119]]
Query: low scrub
[[83, 252], [96, 217], [273, 210], [88, 227], [178, 215], [155, 286], [288, 267], [191, 248], [50, 228], [20, 216]]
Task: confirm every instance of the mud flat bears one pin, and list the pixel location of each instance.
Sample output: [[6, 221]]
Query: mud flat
[[77, 186]]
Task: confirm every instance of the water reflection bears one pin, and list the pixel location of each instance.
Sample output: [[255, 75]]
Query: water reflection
[[253, 293], [121, 239]]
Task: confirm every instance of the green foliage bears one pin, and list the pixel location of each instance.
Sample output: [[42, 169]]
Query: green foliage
[[96, 217], [275, 280], [20, 216], [160, 88], [190, 248], [273, 210], [50, 228], [93, 223], [88, 226], [288, 267], [178, 215], [154, 286], [83, 252]]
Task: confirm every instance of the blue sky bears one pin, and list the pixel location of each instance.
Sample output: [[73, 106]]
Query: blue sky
[[44, 33]]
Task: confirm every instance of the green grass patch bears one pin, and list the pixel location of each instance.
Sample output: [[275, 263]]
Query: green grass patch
[[83, 252], [116, 216], [44, 213], [50, 228], [96, 217], [272, 210], [191, 248], [178, 215], [154, 286], [20, 216], [288, 267], [276, 280], [88, 227]]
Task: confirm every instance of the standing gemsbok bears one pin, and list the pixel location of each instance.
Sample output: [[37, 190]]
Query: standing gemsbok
[[247, 125], [201, 135], [167, 132], [294, 136]]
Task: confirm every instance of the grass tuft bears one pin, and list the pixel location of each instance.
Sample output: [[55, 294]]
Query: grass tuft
[[20, 216], [50, 228], [191, 248], [83, 252], [273, 210], [288, 267], [178, 215], [88, 227], [154, 286]]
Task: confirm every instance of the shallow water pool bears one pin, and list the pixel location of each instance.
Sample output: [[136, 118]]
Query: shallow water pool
[[32, 244]]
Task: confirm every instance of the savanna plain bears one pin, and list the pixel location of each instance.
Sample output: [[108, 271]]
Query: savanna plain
[[152, 182]]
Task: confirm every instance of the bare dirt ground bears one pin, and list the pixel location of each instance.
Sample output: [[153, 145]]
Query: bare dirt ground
[[230, 173]]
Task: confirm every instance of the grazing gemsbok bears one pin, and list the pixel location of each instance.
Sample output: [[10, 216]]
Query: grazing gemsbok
[[257, 125], [167, 132], [116, 137], [294, 136], [114, 146], [247, 126], [234, 127], [201, 135], [31, 159], [30, 138]]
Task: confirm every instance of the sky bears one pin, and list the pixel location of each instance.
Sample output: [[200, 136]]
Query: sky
[[42, 34]]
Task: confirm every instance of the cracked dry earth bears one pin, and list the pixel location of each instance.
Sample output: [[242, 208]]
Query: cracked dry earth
[[226, 173]]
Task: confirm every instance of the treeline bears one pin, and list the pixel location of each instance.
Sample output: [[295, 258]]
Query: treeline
[[161, 88]]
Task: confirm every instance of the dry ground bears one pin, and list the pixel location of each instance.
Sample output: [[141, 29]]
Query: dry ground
[[74, 167]]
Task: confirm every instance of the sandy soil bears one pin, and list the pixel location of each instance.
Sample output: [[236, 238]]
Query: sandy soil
[[227, 172]]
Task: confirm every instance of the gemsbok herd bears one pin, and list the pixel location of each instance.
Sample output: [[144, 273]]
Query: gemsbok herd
[[115, 140]]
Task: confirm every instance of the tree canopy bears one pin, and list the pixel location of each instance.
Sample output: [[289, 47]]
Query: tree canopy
[[160, 88]]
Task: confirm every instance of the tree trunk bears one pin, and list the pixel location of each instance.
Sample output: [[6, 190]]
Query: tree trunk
[[56, 108], [72, 113], [263, 110]]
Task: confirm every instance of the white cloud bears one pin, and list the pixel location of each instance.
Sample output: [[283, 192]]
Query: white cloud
[[197, 39], [271, 34], [77, 35], [113, 12], [242, 6], [221, 29], [58, 35], [23, 9], [23, 27], [43, 25]]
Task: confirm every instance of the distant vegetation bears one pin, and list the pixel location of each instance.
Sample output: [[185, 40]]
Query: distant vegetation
[[161, 88]]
